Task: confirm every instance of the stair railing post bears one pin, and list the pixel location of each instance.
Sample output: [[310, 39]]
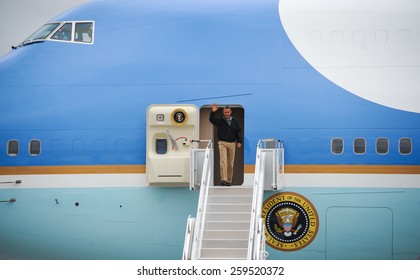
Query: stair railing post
[[258, 191], [270, 175], [189, 235], [206, 180], [281, 160]]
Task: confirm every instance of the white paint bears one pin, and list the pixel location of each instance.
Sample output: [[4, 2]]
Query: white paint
[[370, 48], [140, 181], [353, 180], [75, 181]]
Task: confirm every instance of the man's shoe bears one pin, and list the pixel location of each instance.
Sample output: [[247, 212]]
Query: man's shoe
[[223, 183], [228, 184]]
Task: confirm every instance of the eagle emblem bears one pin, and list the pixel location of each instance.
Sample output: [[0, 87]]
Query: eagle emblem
[[287, 219], [179, 117]]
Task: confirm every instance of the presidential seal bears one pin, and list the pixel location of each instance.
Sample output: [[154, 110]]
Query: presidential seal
[[291, 221], [179, 117]]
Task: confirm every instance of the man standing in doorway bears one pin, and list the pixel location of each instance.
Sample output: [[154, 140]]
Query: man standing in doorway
[[229, 135]]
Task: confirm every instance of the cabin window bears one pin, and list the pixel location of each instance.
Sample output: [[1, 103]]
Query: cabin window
[[405, 146], [359, 146], [337, 146], [35, 147], [382, 146], [12, 148], [83, 32], [63, 33]]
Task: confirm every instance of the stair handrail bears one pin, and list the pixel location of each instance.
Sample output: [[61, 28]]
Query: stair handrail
[[261, 253], [206, 181], [281, 167], [256, 247], [257, 195], [196, 163], [189, 235]]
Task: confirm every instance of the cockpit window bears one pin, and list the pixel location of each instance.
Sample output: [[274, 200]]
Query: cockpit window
[[64, 33], [69, 31], [43, 32], [83, 32]]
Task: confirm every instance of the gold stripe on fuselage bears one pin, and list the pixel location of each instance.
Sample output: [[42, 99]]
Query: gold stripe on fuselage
[[141, 168]]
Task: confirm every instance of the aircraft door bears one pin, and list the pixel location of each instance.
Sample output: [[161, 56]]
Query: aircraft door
[[169, 131], [208, 131]]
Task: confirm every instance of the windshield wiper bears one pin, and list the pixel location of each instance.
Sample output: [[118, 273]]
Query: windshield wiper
[[27, 43]]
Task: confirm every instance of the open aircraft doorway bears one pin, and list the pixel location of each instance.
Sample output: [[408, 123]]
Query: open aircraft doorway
[[209, 132]]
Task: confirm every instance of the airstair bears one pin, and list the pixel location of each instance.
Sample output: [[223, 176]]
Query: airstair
[[228, 224]]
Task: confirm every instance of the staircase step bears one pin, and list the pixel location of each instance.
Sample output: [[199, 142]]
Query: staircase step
[[223, 199], [216, 208], [226, 234], [224, 253], [227, 216], [227, 225], [230, 191], [225, 243]]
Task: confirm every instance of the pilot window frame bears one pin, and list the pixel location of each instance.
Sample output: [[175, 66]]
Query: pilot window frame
[[75, 32], [46, 30], [63, 33], [13, 151], [74, 38], [334, 150]]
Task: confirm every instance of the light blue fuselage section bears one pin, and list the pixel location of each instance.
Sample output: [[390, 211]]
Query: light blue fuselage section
[[149, 223]]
